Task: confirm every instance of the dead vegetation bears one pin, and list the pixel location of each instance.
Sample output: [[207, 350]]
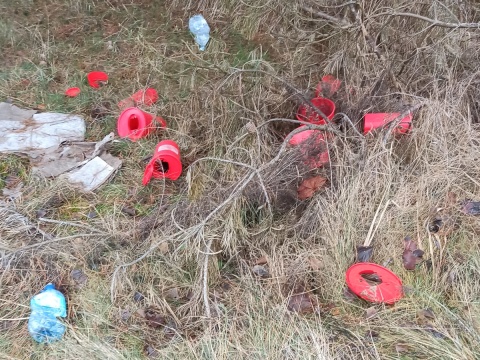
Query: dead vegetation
[[227, 262]]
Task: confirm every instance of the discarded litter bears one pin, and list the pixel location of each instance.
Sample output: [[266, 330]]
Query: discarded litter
[[374, 283], [199, 28], [135, 123], [146, 97], [46, 306], [24, 130], [55, 144], [326, 106], [72, 92], [313, 146], [377, 120], [165, 162], [97, 79]]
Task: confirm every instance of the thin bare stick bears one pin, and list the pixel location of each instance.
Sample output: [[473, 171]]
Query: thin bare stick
[[378, 223], [344, 24], [68, 223], [434, 22], [368, 241], [33, 246], [395, 122]]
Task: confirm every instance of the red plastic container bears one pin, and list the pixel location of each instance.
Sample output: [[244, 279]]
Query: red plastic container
[[97, 79], [165, 162], [135, 123], [306, 113], [378, 120], [388, 291], [72, 92], [313, 147]]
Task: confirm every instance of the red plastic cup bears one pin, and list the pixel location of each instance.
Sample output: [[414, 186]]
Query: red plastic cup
[[97, 79], [378, 120], [72, 92], [306, 113], [388, 291], [313, 147], [135, 123], [165, 162]]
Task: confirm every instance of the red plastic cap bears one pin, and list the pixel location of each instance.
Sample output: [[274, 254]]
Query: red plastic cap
[[306, 113], [97, 79], [72, 92], [388, 291]]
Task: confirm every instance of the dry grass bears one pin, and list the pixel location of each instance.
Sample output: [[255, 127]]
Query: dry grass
[[191, 248]]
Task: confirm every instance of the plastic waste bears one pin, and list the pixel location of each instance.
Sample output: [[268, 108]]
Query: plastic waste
[[199, 27], [43, 324]]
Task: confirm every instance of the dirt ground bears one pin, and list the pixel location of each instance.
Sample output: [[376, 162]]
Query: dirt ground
[[227, 261]]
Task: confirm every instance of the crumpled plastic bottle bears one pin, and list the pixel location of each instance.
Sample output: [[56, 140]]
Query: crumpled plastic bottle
[[46, 306], [199, 27]]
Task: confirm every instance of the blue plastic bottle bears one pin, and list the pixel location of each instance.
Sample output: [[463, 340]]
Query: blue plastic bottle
[[199, 27], [43, 324]]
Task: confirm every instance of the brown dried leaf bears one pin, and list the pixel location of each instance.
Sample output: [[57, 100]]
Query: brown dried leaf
[[261, 261], [259, 270], [371, 312], [172, 294], [411, 254], [401, 348], [471, 207], [426, 314], [163, 247], [349, 295], [310, 186], [364, 253], [301, 301], [315, 264], [150, 351], [141, 313], [154, 319], [79, 277]]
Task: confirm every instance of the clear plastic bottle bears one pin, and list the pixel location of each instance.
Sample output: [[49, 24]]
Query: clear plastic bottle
[[46, 306], [199, 27]]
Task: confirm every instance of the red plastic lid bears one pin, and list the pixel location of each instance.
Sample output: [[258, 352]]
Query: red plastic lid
[[97, 79], [388, 291], [72, 92]]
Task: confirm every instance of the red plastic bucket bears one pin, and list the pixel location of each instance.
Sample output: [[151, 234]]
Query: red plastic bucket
[[306, 113], [135, 123], [388, 289], [313, 147], [378, 120], [165, 162]]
